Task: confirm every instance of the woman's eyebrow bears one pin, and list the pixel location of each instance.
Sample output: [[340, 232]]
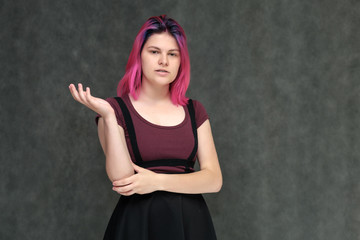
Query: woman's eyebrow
[[175, 49]]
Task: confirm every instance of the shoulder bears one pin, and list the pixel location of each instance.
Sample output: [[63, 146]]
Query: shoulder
[[197, 104], [113, 101], [114, 104], [201, 114]]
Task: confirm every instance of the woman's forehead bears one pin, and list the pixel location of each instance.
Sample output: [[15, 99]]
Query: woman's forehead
[[162, 41]]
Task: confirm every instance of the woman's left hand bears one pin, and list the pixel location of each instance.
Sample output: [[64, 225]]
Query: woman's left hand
[[141, 183]]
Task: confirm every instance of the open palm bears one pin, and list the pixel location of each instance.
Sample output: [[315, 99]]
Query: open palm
[[96, 104]]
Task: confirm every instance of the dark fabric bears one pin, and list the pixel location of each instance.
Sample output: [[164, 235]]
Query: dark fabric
[[160, 142], [130, 128], [161, 215], [191, 111], [201, 113], [187, 163]]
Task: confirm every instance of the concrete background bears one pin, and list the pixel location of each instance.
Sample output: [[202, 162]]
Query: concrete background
[[279, 79]]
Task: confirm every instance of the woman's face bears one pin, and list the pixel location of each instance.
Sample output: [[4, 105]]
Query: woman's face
[[160, 59]]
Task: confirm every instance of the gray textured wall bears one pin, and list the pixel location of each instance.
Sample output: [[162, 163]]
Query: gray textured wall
[[279, 79]]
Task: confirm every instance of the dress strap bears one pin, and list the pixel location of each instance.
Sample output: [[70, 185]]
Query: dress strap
[[130, 128], [194, 129], [167, 162], [187, 163]]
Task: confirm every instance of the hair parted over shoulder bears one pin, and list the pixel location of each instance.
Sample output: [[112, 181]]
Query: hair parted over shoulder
[[131, 81]]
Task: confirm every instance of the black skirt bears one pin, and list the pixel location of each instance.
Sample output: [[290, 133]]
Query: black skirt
[[161, 215]]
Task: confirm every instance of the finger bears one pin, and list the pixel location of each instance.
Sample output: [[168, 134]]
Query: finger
[[128, 193], [81, 93], [138, 169], [90, 99], [125, 181], [123, 189], [74, 92], [88, 95]]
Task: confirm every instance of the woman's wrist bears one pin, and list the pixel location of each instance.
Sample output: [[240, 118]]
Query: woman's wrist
[[159, 180]]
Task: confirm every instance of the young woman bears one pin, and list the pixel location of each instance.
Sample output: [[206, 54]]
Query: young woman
[[152, 134]]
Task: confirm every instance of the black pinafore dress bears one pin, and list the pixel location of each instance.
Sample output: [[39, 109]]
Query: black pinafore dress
[[160, 215]]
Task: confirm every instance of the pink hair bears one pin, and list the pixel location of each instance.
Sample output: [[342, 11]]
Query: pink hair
[[131, 81]]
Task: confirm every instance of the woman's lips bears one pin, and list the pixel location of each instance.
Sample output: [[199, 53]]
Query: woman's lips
[[162, 72]]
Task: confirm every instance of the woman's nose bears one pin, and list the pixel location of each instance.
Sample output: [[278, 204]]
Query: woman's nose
[[163, 60]]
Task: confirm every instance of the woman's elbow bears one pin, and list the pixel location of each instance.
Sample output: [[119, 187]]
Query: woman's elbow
[[115, 176], [116, 172], [218, 184]]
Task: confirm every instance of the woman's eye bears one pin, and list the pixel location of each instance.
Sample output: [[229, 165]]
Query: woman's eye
[[173, 54], [154, 52]]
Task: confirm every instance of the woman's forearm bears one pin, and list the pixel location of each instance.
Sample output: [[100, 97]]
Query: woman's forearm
[[118, 161], [203, 181], [112, 139]]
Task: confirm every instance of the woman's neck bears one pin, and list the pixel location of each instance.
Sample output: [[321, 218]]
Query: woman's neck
[[154, 94]]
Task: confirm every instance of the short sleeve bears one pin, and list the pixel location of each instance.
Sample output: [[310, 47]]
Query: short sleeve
[[200, 113], [119, 117]]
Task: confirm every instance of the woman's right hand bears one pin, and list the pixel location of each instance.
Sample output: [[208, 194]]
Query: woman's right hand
[[98, 105]]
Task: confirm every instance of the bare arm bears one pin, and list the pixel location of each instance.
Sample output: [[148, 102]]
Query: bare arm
[[112, 140], [111, 135], [208, 179]]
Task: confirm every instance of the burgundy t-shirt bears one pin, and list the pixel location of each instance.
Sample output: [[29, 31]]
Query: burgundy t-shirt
[[160, 142]]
